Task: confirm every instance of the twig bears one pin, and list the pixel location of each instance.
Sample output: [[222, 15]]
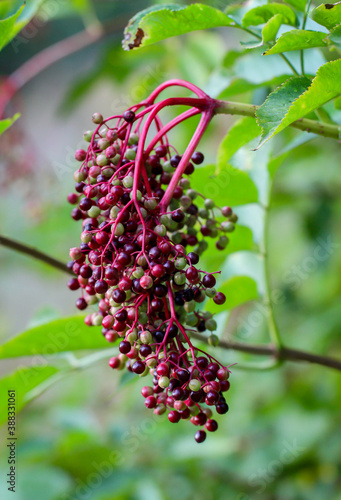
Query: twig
[[284, 353], [36, 254]]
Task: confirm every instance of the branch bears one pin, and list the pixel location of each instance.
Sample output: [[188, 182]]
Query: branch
[[36, 254], [313, 126], [283, 353]]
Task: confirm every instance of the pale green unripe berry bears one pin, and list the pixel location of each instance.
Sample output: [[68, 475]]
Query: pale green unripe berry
[[108, 172], [206, 314], [94, 211], [192, 194], [223, 241], [210, 292], [211, 324], [191, 221], [160, 230], [128, 181], [194, 384], [233, 218], [189, 306], [167, 167], [119, 229], [116, 182], [185, 183], [103, 144], [102, 160], [103, 131], [151, 361], [130, 154], [191, 320], [97, 118], [144, 213], [213, 340], [180, 263], [86, 237], [88, 135], [132, 336], [128, 295], [142, 261], [203, 213], [179, 278], [96, 319], [209, 203], [138, 195], [114, 211], [138, 273], [203, 245], [79, 176], [92, 299], [214, 233], [185, 201], [227, 227], [151, 204], [146, 337], [163, 382], [116, 159], [133, 139]]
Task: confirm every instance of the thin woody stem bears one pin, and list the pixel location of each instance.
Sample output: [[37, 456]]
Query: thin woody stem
[[283, 353], [305, 124]]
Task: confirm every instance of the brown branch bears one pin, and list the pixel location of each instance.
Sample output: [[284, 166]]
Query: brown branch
[[35, 254], [284, 353]]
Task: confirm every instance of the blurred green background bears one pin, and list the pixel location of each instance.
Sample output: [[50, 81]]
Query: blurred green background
[[89, 436]]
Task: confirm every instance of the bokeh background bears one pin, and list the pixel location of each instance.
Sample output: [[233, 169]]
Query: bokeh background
[[89, 435]]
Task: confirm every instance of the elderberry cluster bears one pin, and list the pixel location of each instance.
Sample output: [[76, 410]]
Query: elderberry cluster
[[138, 262]]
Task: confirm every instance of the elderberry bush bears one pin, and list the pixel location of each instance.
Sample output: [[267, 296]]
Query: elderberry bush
[[143, 232]]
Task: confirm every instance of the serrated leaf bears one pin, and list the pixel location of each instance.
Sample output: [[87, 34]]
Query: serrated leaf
[[7, 28], [164, 21], [297, 4], [297, 40], [272, 111], [8, 122], [271, 28], [324, 87], [67, 334], [230, 186], [334, 36], [262, 14], [22, 382], [238, 290], [328, 15]]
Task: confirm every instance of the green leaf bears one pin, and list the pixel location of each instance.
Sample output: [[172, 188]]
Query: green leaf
[[334, 36], [271, 28], [242, 132], [67, 334], [297, 4], [328, 15], [164, 21], [7, 28], [238, 290], [22, 382], [8, 122], [325, 86], [262, 14], [271, 112], [297, 40], [230, 186]]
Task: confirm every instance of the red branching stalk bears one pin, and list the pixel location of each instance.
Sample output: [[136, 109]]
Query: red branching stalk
[[133, 260]]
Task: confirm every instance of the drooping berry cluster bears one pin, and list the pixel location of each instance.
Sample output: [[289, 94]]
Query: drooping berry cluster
[[142, 236]]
